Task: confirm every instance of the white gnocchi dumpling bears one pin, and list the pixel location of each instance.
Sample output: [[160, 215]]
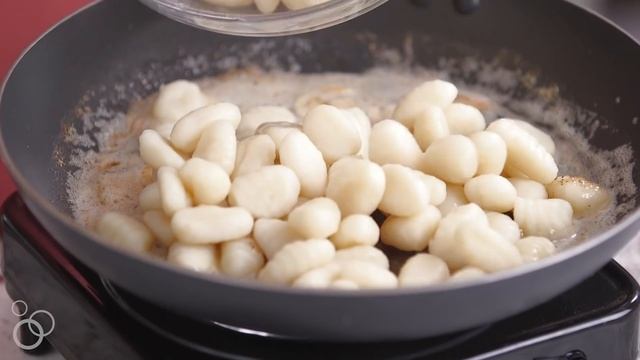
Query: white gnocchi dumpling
[[504, 225], [177, 99], [253, 153], [411, 233], [125, 232], [343, 284], [272, 235], [529, 189], [444, 243], [207, 182], [405, 193], [254, 117], [173, 194], [317, 218], [356, 185], [543, 138], [437, 188], [270, 192], [467, 273], [464, 119], [298, 153], [364, 253], [492, 152], [430, 125], [188, 130], [333, 132], [480, 246], [550, 218], [363, 124], [156, 152], [368, 275], [355, 230], [585, 197], [491, 192], [201, 258], [524, 153], [160, 225], [436, 92], [241, 258], [319, 278], [218, 144], [295, 259], [150, 198], [423, 270], [211, 224], [278, 131], [534, 248], [454, 197], [392, 143], [453, 159]]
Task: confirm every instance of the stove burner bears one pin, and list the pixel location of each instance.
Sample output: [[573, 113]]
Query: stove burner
[[597, 319]]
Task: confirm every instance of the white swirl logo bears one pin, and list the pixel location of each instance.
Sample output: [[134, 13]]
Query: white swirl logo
[[34, 326]]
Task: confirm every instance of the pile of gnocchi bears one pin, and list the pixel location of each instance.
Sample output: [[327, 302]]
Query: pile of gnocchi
[[266, 196], [267, 6]]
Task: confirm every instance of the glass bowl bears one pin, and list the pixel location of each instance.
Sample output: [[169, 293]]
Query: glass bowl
[[248, 21]]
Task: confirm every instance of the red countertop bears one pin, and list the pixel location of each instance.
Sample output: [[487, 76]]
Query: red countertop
[[21, 22]]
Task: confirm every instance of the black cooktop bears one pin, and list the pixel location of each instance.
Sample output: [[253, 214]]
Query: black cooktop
[[597, 319]]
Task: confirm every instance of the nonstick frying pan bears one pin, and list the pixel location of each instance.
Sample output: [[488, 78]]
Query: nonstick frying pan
[[84, 62]]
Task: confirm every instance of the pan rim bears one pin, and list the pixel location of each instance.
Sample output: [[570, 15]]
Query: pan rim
[[31, 194]]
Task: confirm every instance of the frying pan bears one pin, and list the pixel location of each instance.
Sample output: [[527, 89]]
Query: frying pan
[[84, 62]]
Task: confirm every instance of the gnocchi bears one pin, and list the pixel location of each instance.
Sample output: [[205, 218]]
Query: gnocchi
[[253, 118], [210, 224], [299, 154], [208, 182], [392, 143], [551, 218], [187, 130], [524, 153], [534, 248], [422, 270], [411, 233], [318, 218], [295, 259], [125, 232], [240, 258], [354, 230], [405, 193], [429, 126], [492, 152], [272, 235], [333, 132], [156, 152], [453, 159], [270, 192], [491, 192], [217, 144], [356, 185], [201, 258], [585, 197], [529, 189], [253, 153], [436, 93], [260, 195], [464, 119], [177, 99]]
